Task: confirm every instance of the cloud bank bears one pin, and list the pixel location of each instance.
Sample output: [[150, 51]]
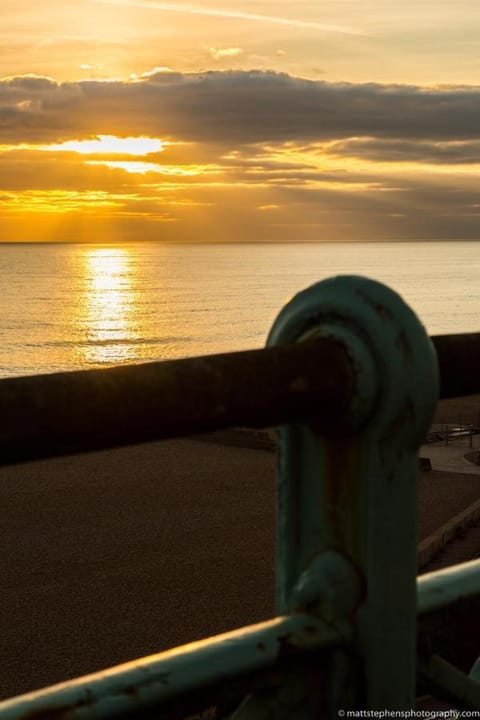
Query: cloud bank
[[234, 107], [250, 156]]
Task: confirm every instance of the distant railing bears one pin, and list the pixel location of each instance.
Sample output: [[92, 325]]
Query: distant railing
[[353, 373]]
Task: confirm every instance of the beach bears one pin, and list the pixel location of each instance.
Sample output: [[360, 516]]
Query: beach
[[113, 555]]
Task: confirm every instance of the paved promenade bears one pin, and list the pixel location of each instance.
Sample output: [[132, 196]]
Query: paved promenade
[[451, 457]]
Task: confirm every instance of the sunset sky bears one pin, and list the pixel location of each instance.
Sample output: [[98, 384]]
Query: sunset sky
[[229, 120]]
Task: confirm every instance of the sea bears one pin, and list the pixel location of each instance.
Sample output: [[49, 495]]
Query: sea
[[77, 306]]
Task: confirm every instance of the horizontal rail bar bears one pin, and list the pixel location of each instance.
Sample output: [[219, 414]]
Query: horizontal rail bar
[[458, 360], [149, 682], [449, 681], [58, 414], [442, 588], [47, 415]]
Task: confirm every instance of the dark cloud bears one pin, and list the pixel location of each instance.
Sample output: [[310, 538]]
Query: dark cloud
[[456, 152], [26, 86], [235, 107]]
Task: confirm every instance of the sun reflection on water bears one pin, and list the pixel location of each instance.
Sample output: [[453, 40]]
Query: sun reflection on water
[[107, 306]]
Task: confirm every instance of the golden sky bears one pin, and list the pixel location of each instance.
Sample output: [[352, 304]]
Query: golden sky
[[239, 121]]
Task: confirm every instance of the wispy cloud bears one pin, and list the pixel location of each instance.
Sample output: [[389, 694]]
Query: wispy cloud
[[219, 53], [234, 14]]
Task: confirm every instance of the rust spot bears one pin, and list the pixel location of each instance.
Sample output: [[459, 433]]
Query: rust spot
[[59, 713], [261, 646], [404, 418], [285, 646], [384, 312], [344, 500], [403, 345], [65, 712]]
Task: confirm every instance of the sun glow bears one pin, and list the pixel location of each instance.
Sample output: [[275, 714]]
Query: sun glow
[[110, 145], [140, 168], [55, 202]]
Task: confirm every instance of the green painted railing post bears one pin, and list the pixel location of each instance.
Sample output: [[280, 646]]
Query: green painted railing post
[[347, 526]]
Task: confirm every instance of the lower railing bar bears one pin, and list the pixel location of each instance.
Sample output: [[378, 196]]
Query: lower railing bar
[[62, 413], [450, 682], [149, 682], [442, 588]]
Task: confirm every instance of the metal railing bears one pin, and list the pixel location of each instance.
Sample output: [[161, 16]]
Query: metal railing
[[351, 370]]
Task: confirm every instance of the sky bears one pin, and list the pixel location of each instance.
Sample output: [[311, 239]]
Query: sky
[[239, 121]]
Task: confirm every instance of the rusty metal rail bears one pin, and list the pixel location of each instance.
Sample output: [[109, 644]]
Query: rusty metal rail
[[62, 413], [154, 680], [153, 401], [458, 360]]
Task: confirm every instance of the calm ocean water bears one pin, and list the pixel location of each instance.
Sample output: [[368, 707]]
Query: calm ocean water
[[65, 307]]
